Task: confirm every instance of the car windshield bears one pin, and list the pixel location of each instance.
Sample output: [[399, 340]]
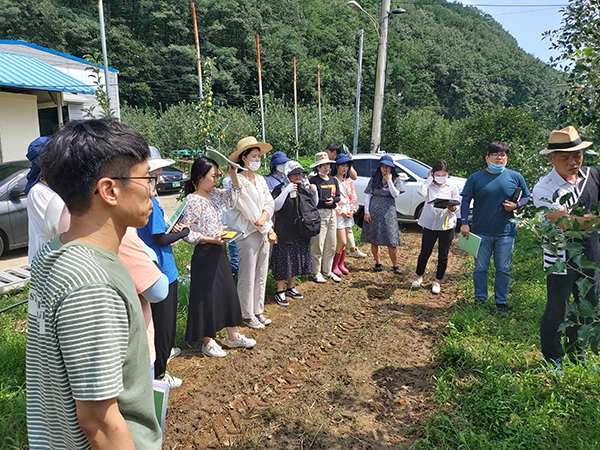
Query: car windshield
[[416, 167], [6, 170]]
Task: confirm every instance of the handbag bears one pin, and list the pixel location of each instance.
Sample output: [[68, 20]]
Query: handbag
[[359, 216]]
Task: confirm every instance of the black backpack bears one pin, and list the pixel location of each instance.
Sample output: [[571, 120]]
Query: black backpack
[[308, 220]]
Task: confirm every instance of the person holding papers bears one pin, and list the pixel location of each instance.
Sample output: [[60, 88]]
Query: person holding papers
[[438, 220], [496, 193], [214, 302]]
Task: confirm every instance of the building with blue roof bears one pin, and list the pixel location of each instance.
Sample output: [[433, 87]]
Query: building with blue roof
[[40, 89]]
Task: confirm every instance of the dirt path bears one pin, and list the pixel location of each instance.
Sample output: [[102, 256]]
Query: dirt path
[[350, 366]]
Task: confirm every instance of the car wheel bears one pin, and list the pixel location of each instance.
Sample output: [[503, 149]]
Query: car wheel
[[3, 242], [418, 211]]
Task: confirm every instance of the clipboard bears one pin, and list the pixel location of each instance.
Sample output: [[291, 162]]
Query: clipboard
[[470, 245], [176, 217], [444, 202], [223, 157]]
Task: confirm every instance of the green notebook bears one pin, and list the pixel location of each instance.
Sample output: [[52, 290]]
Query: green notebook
[[470, 245]]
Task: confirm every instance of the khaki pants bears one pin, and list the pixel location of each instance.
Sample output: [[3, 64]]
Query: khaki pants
[[252, 277], [323, 244], [350, 240]]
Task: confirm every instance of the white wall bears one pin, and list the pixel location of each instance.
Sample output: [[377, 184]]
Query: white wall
[[18, 125]]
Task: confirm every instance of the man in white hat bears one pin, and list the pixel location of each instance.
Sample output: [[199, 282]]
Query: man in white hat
[[569, 176]]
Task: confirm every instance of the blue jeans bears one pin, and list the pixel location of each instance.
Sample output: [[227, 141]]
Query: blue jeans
[[234, 259], [502, 248]]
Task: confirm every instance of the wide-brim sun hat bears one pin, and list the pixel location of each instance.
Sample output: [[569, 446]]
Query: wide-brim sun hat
[[565, 140], [321, 158], [342, 158], [247, 143], [158, 162], [388, 161]]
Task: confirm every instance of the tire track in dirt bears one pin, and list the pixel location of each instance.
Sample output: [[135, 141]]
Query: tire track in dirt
[[348, 366]]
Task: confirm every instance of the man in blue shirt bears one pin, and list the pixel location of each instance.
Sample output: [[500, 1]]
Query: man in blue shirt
[[496, 193]]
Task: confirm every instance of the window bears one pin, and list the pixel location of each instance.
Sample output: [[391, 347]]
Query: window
[[416, 167], [363, 167]]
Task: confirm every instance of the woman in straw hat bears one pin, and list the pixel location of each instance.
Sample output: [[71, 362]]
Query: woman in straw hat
[[323, 244], [252, 218]]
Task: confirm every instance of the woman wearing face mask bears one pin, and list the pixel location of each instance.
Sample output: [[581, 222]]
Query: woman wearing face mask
[[252, 217], [290, 257], [276, 177], [323, 244], [381, 223], [438, 223]]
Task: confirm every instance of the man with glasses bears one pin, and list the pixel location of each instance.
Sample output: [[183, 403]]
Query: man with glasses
[[88, 368], [496, 193]]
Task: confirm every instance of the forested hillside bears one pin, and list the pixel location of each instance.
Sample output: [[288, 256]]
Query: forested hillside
[[442, 56]]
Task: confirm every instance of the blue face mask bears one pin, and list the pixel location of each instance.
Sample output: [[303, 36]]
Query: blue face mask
[[496, 168]]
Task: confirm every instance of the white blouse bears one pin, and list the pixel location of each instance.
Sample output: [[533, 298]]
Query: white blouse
[[437, 219], [207, 214], [253, 200]]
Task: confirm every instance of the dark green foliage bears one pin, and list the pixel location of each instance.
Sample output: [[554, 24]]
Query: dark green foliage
[[442, 56]]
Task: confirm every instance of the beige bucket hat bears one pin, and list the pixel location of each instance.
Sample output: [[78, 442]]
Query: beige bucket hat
[[321, 158]]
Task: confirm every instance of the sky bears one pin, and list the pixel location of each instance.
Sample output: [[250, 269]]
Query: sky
[[525, 20]]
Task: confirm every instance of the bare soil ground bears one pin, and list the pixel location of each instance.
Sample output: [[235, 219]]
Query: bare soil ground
[[349, 366]]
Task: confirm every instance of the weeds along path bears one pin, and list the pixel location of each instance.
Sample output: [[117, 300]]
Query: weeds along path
[[350, 366]]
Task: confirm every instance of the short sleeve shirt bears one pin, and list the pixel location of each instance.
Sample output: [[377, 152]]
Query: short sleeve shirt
[[86, 341], [489, 191], [157, 225]]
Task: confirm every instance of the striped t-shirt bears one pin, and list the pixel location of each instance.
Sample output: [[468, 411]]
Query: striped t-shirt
[[86, 341]]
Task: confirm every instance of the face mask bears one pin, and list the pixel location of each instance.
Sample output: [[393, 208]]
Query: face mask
[[496, 168], [323, 173], [441, 180], [279, 168], [254, 165]]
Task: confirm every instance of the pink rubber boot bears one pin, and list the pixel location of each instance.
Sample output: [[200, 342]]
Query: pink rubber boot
[[341, 266], [336, 261]]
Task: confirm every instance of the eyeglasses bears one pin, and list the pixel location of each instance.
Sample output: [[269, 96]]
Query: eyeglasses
[[152, 180], [499, 155]]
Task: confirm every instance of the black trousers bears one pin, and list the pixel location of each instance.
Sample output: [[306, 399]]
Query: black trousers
[[164, 316], [560, 288], [427, 243]]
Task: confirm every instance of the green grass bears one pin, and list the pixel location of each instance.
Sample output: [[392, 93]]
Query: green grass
[[491, 389], [13, 339]]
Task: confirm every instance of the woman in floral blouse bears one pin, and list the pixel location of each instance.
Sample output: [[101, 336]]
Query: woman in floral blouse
[[214, 301]]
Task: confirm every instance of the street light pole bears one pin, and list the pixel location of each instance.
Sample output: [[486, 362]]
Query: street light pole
[[380, 78], [382, 33]]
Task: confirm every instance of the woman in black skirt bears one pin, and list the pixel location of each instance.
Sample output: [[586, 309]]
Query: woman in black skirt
[[214, 303], [290, 256]]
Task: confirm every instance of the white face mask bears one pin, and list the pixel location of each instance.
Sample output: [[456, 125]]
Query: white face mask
[[441, 180], [279, 168], [323, 173], [254, 165]]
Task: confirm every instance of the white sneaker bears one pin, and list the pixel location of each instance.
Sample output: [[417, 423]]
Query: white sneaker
[[319, 278], [253, 323], [175, 352], [172, 381], [334, 277], [213, 349], [357, 254], [435, 287], [417, 283], [241, 342], [262, 319]]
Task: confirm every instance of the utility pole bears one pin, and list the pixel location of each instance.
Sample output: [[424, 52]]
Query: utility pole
[[380, 78]]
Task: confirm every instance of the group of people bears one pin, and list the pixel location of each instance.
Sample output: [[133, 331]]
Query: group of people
[[95, 330]]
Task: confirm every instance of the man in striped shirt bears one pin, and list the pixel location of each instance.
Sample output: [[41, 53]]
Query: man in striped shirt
[[88, 370], [575, 186]]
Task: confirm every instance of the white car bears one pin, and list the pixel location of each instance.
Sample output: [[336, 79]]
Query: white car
[[412, 173]]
